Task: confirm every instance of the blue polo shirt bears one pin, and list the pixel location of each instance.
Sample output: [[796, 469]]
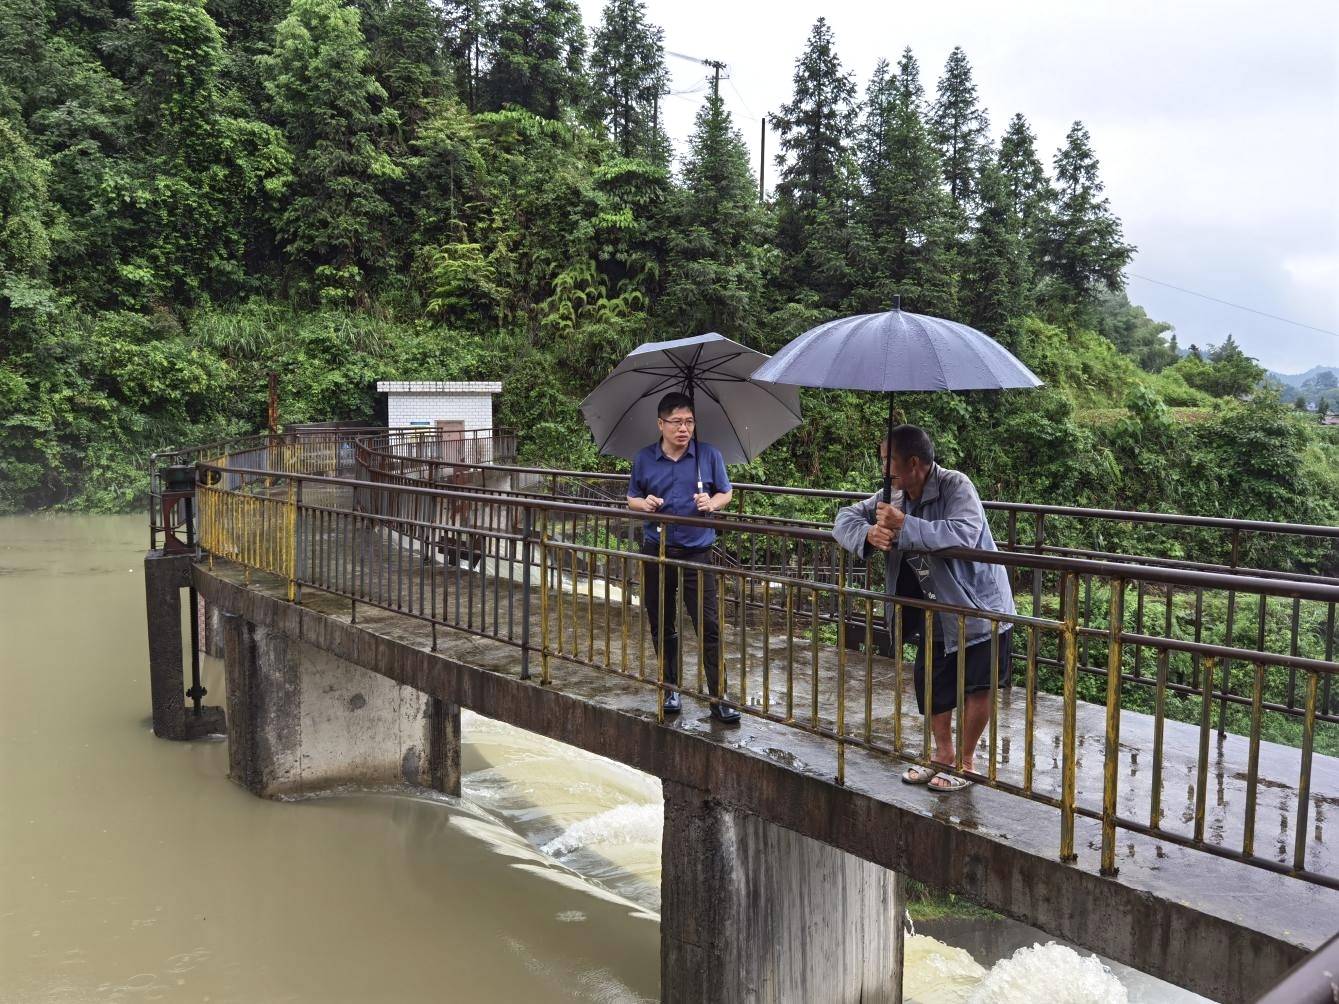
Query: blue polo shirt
[[675, 481]]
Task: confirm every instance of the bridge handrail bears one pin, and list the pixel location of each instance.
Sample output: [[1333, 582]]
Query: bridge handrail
[[1321, 591], [1122, 515], [259, 517]]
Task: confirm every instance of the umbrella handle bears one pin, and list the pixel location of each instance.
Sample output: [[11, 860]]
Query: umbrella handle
[[888, 461]]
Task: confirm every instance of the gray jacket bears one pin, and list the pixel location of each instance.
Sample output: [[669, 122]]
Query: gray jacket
[[948, 514]]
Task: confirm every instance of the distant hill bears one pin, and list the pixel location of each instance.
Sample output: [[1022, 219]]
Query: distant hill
[[1316, 384], [1297, 379]]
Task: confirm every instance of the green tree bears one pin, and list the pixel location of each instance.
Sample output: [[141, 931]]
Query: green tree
[[1027, 186], [536, 51], [407, 53], [26, 222], [203, 167], [333, 114], [961, 129], [719, 259], [628, 79], [996, 273], [817, 183], [1227, 372], [1132, 331], [1085, 249], [904, 209], [464, 27]]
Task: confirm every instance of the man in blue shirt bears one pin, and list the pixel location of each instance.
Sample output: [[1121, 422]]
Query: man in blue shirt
[[683, 477]]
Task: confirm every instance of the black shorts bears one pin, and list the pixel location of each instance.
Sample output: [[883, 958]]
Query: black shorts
[[976, 675]]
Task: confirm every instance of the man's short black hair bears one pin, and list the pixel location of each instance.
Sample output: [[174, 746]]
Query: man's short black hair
[[672, 402], [909, 441]]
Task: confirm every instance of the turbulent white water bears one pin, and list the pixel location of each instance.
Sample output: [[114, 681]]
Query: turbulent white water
[[603, 820], [625, 824], [1052, 973]]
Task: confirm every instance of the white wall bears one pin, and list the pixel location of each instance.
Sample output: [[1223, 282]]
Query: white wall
[[422, 410]]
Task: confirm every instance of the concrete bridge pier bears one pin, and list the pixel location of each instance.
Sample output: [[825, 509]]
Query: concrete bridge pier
[[303, 720], [754, 912], [165, 576]]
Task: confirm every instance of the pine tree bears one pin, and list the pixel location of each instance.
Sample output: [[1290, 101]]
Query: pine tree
[[719, 254], [333, 114], [873, 144], [1085, 249], [628, 79], [996, 271], [536, 52], [960, 128], [816, 190], [1026, 184], [905, 219]]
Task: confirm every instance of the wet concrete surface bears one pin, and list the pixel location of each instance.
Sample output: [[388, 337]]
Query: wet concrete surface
[[1221, 927]]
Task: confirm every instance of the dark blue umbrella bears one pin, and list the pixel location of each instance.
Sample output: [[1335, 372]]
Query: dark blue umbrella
[[895, 351]]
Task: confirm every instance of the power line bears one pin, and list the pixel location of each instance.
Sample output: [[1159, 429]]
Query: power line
[[1237, 306], [742, 101]]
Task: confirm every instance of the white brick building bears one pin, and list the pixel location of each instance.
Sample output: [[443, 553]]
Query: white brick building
[[439, 404]]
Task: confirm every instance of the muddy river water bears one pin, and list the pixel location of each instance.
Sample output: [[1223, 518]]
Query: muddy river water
[[132, 869]]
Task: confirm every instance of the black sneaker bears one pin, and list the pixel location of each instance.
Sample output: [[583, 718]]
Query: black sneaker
[[672, 705], [725, 714]]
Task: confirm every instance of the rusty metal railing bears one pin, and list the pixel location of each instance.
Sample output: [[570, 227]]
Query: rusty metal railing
[[1020, 528], [799, 641]]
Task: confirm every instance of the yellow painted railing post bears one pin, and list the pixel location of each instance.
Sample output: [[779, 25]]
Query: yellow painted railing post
[[1304, 777], [544, 599], [841, 666], [1208, 668], [660, 628], [927, 689], [1069, 642], [291, 534], [1111, 765]]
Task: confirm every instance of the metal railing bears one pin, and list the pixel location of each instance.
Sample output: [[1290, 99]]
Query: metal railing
[[799, 630], [1019, 528], [1207, 543], [321, 449]]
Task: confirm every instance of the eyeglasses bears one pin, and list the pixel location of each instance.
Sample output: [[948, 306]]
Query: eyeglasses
[[680, 423]]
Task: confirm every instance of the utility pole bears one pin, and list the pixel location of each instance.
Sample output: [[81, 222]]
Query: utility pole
[[716, 66], [762, 155]]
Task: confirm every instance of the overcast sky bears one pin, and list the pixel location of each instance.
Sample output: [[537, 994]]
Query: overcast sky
[[1216, 126]]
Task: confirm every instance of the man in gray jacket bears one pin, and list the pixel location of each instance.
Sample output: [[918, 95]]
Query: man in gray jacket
[[933, 509]]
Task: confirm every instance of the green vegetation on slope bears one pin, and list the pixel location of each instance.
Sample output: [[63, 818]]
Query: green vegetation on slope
[[196, 193]]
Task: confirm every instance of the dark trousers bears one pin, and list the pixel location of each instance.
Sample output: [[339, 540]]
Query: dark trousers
[[708, 628], [944, 675]]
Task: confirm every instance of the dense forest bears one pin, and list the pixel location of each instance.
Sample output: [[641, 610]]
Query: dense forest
[[196, 192]]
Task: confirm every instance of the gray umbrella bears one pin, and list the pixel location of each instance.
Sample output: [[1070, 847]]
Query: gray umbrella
[[737, 416], [896, 351]]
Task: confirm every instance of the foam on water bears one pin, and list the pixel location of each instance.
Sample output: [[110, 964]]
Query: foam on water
[[624, 824], [1052, 973], [936, 973]]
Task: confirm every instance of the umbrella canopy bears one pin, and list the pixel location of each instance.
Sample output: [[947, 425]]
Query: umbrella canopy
[[896, 351], [737, 416]]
